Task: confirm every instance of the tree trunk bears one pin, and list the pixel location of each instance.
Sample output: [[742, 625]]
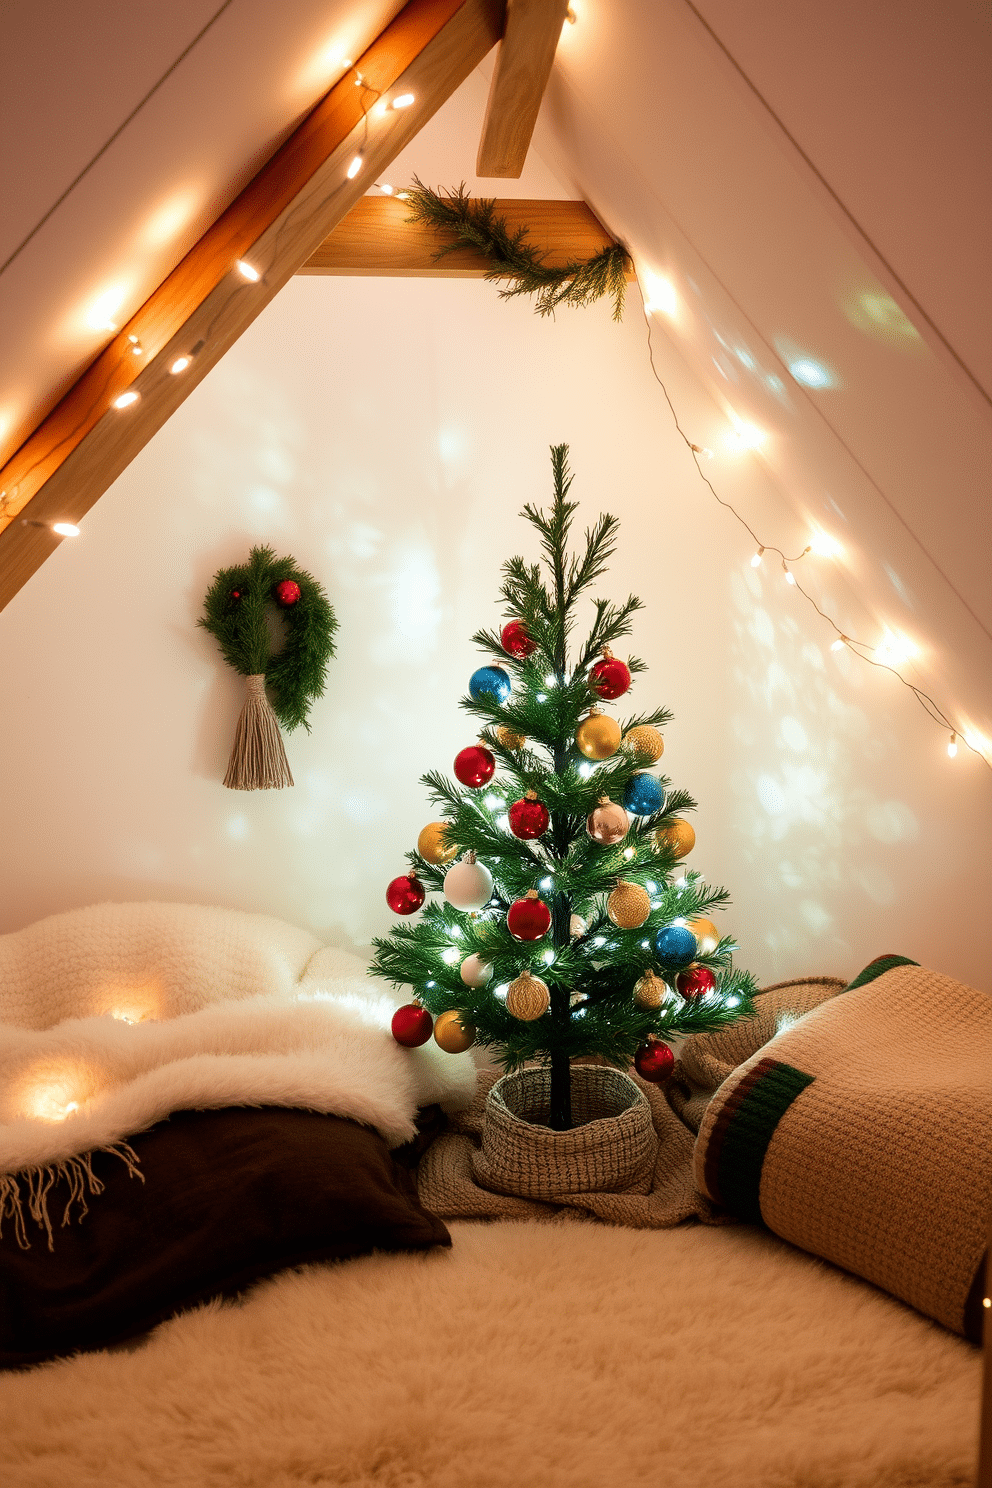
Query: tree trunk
[[561, 1092]]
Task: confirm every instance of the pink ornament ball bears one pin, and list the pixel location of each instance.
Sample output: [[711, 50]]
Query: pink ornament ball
[[515, 640], [654, 1060], [287, 593], [412, 1025], [475, 766], [405, 894]]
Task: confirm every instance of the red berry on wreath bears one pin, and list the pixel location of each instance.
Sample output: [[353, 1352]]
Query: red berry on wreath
[[474, 766], [695, 981], [515, 640], [654, 1060], [287, 593], [528, 817], [528, 918], [610, 677], [405, 894], [235, 593], [412, 1025]]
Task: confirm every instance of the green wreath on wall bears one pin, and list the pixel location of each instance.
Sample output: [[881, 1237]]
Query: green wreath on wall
[[238, 608]]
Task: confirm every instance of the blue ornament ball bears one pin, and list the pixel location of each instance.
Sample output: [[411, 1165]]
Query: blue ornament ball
[[644, 795], [491, 682], [676, 946]]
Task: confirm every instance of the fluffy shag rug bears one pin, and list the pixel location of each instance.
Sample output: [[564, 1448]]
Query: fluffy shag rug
[[532, 1355]]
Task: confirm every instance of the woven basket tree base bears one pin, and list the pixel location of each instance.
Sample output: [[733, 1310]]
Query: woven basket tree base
[[612, 1148]]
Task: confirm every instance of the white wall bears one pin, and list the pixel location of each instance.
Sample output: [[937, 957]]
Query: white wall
[[386, 434]]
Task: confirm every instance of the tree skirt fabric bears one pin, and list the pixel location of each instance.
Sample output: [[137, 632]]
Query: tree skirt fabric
[[566, 1356], [452, 1178]]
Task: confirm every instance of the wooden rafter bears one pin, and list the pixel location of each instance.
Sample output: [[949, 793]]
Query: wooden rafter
[[205, 304], [377, 238], [523, 66]]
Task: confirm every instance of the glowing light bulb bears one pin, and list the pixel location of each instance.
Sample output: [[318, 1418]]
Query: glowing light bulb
[[585, 770], [733, 1001], [546, 884], [492, 802], [790, 577], [542, 697], [825, 546], [645, 945], [180, 365], [651, 886], [126, 399], [247, 271], [450, 956], [756, 560], [355, 167], [629, 852], [136, 346], [839, 643], [551, 680], [599, 940], [386, 189], [701, 451], [503, 822], [661, 297], [402, 196], [952, 747], [456, 932], [65, 529], [430, 984], [404, 100], [548, 958]]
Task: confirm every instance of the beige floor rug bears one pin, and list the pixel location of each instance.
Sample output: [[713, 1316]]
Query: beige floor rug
[[529, 1356]]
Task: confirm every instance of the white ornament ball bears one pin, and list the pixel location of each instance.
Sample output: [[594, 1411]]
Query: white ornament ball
[[475, 972], [468, 885]]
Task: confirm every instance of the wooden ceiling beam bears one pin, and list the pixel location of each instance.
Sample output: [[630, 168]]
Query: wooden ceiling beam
[[205, 304], [523, 66], [376, 238]]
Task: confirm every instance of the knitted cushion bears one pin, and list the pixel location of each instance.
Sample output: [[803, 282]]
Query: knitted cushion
[[863, 1133], [611, 1148]]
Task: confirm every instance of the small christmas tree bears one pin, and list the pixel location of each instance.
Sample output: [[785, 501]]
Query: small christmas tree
[[561, 931]]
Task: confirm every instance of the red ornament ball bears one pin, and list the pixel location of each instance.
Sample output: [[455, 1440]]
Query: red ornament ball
[[654, 1060], [474, 766], [528, 918], [412, 1025], [695, 981], [405, 894], [610, 677], [528, 817], [287, 593], [515, 640]]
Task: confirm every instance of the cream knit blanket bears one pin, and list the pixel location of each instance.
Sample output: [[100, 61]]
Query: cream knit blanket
[[113, 1017]]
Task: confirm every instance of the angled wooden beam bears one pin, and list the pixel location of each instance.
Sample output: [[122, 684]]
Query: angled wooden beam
[[523, 66], [376, 238], [205, 304]]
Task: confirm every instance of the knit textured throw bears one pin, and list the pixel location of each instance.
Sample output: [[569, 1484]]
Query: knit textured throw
[[111, 1018], [863, 1133]]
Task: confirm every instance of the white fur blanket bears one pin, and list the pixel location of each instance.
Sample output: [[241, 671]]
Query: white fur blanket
[[113, 1017]]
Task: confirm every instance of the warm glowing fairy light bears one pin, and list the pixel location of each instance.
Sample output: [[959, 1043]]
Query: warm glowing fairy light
[[790, 577], [952, 747], [404, 101], [126, 399], [355, 167], [65, 529], [248, 271], [839, 643], [180, 365], [386, 189], [825, 546], [756, 560]]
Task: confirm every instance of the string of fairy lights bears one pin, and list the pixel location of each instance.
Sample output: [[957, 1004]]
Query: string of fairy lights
[[884, 656]]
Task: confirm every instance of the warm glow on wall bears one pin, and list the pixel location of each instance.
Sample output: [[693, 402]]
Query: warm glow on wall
[[169, 219], [660, 296], [101, 312], [52, 1096]]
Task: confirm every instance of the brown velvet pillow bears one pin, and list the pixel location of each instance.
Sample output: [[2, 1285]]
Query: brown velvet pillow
[[228, 1196]]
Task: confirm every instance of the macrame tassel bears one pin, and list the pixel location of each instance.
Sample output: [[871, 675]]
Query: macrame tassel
[[258, 759]]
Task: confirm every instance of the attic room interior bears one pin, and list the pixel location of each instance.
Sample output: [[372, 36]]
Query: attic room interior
[[462, 1024]]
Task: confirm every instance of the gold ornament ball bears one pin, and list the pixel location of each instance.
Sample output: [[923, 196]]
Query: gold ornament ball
[[509, 739], [707, 936], [608, 824], [629, 905], [527, 997], [432, 846], [650, 990], [577, 927], [645, 742], [680, 837], [598, 736], [453, 1035]]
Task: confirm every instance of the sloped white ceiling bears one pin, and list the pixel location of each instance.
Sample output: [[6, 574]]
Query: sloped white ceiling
[[813, 182]]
